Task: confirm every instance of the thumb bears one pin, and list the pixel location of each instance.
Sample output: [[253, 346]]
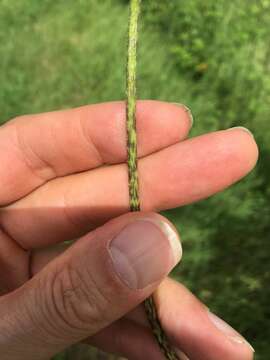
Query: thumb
[[95, 282]]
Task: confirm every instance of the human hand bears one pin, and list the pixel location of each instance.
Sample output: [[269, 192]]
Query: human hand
[[63, 177]]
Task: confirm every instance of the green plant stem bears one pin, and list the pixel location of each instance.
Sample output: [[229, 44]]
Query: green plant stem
[[131, 105], [150, 307]]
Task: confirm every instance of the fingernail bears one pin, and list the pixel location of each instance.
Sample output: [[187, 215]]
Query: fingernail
[[181, 355], [188, 111], [243, 129], [227, 330], [145, 251]]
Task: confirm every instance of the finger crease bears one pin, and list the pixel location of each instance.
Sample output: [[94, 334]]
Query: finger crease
[[90, 142], [38, 166]]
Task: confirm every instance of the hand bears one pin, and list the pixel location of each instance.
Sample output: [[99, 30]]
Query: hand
[[63, 177]]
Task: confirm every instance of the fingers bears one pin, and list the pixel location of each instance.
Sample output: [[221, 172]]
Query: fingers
[[191, 327], [37, 148], [194, 330], [14, 264], [128, 339], [177, 175], [95, 282], [197, 168]]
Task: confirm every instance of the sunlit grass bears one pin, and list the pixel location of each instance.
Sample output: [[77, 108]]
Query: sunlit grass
[[66, 53]]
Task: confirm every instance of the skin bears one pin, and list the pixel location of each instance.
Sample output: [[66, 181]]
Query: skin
[[54, 187]]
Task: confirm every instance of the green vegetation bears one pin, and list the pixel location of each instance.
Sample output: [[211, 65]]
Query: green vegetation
[[212, 56]]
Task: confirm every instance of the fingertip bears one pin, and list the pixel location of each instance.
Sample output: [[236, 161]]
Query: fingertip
[[188, 112], [172, 120], [170, 232], [190, 328], [247, 146], [230, 333], [145, 250]]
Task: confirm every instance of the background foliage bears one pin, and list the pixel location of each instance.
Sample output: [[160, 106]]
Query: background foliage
[[212, 56]]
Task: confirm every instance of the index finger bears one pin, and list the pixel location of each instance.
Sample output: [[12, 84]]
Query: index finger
[[37, 148]]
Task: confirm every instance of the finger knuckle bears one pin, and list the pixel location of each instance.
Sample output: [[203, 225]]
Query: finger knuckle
[[77, 299]]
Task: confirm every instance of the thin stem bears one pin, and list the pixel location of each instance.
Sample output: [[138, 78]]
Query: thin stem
[[149, 304], [131, 105]]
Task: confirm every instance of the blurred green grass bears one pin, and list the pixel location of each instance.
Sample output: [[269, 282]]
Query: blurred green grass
[[212, 56]]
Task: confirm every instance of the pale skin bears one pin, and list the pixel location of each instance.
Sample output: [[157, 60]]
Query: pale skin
[[62, 175]]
